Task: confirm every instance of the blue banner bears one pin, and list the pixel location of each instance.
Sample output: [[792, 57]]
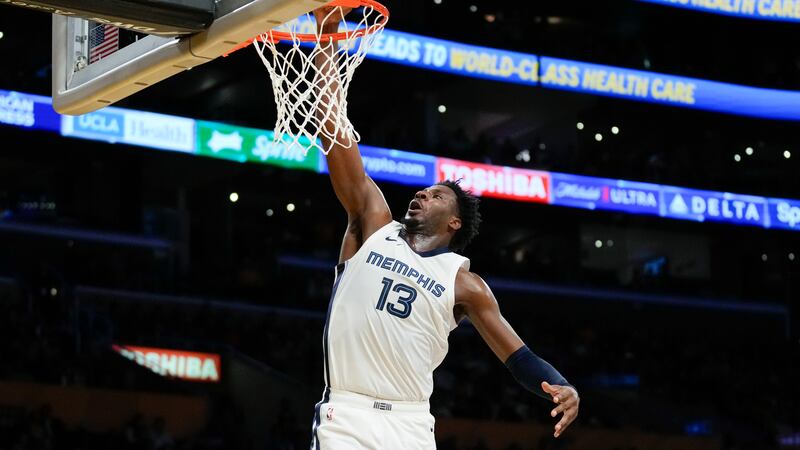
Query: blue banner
[[443, 56], [133, 127], [522, 68], [513, 67], [28, 111], [691, 204], [395, 166], [455, 58], [105, 125], [784, 213], [669, 89], [784, 10], [414, 169], [606, 194]]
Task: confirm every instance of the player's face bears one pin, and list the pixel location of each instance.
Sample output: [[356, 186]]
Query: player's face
[[433, 205]]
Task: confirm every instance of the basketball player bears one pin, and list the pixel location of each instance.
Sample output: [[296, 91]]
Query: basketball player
[[400, 289]]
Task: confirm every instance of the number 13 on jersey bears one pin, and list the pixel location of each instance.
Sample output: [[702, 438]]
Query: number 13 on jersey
[[407, 296]]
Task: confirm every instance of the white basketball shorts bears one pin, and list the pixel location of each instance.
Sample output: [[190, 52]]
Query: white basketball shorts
[[349, 421]]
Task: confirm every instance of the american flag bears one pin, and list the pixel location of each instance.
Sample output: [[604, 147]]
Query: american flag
[[103, 41]]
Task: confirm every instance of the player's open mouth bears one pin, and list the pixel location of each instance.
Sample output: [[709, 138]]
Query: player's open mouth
[[414, 205]]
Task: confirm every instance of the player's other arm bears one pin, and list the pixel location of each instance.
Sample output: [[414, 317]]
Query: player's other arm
[[475, 298], [366, 207]]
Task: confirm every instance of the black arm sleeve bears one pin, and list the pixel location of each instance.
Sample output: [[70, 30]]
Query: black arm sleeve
[[530, 370]]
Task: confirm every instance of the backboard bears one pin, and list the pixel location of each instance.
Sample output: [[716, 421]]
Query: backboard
[[93, 67]]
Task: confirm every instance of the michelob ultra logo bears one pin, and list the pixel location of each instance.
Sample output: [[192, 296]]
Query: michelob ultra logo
[[190, 366]]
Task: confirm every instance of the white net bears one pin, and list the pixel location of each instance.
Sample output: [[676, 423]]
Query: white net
[[311, 73]]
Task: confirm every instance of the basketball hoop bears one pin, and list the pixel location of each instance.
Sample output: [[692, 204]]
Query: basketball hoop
[[309, 98]]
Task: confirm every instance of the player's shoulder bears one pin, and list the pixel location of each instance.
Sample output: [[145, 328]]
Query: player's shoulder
[[469, 285]]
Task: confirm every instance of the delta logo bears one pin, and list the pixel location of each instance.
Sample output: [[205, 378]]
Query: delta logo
[[710, 207], [190, 366]]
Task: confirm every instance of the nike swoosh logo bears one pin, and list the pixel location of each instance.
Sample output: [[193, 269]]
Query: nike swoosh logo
[[390, 239]]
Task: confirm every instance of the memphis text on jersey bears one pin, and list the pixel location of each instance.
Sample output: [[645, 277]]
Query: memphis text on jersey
[[397, 266]]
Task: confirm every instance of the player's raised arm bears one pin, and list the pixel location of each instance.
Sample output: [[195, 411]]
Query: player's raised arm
[[531, 371], [366, 207]]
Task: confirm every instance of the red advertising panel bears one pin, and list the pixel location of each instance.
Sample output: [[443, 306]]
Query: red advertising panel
[[496, 181], [190, 366]]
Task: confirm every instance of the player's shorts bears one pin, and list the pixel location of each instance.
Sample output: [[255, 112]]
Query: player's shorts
[[347, 421]]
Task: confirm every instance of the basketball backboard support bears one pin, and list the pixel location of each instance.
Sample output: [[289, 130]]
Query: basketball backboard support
[[80, 87], [165, 17]]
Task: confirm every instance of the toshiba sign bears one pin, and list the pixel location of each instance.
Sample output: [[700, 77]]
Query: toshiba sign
[[191, 366], [496, 181]]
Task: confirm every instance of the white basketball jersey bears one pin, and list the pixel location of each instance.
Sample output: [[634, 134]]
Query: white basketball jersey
[[389, 317]]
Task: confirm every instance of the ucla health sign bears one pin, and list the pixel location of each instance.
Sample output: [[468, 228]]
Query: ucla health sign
[[606, 194], [690, 204], [159, 131], [786, 10], [104, 125], [117, 125], [395, 166]]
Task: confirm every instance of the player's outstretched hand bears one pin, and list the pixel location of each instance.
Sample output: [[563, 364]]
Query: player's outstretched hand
[[332, 22], [566, 397]]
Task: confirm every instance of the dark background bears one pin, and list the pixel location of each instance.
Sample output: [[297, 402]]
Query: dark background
[[145, 247]]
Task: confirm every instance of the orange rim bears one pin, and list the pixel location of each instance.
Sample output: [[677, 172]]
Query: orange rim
[[276, 36], [283, 36]]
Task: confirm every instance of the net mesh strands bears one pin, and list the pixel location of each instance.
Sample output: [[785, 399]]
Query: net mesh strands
[[312, 100]]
